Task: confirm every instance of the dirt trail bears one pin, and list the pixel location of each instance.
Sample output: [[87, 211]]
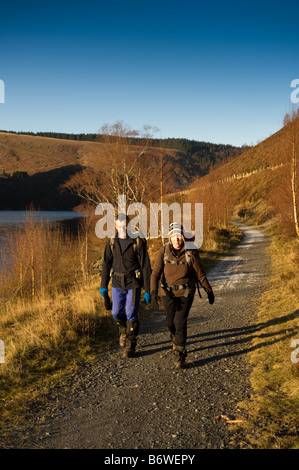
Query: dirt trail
[[144, 402]]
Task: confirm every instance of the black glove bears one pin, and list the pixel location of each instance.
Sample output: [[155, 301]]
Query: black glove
[[155, 300], [211, 297], [107, 301]]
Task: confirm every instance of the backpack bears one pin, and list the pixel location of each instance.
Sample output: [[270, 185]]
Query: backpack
[[188, 261]]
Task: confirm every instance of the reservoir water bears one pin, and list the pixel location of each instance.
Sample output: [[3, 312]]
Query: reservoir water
[[10, 220]]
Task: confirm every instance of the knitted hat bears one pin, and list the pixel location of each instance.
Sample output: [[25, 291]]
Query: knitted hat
[[176, 229]]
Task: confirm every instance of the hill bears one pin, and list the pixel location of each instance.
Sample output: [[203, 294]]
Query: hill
[[206, 154], [34, 168], [257, 184]]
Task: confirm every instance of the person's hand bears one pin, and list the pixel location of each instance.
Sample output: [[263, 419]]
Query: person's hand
[[155, 300], [147, 297], [103, 290], [211, 297], [107, 301]]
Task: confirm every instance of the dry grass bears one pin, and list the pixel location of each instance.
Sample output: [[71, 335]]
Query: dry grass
[[40, 335], [273, 417], [45, 340]]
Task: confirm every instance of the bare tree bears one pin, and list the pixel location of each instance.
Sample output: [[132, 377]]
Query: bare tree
[[292, 121], [137, 171]]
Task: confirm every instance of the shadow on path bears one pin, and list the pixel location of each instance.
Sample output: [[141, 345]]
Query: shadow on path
[[246, 335]]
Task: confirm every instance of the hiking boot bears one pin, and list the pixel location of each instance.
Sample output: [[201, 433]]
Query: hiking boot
[[122, 328], [131, 338], [180, 354]]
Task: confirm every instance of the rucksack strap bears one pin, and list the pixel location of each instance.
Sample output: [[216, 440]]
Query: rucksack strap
[[188, 259]]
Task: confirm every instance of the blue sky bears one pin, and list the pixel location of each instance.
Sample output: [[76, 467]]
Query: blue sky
[[209, 71]]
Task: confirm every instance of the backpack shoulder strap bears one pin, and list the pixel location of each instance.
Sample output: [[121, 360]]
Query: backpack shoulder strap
[[112, 244], [189, 258], [165, 256], [136, 244]]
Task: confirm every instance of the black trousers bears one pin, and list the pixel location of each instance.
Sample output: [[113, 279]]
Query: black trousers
[[177, 311]]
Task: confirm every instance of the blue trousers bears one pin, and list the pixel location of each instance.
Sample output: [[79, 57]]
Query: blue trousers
[[122, 304]]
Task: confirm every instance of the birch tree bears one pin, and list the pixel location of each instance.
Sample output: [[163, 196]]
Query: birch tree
[[292, 121]]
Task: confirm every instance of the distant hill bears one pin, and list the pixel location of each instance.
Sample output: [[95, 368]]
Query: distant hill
[[34, 166]]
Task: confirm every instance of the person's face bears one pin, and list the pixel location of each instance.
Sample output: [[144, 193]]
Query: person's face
[[121, 227], [177, 241]]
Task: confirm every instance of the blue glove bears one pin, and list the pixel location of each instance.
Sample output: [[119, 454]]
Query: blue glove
[[102, 290], [147, 298]]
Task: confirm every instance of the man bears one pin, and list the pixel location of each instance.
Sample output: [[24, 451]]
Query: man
[[178, 269], [125, 260]]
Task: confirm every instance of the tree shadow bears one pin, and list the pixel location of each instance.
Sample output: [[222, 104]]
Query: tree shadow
[[245, 336], [242, 336]]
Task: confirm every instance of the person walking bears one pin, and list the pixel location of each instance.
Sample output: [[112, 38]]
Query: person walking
[[126, 260], [179, 270]]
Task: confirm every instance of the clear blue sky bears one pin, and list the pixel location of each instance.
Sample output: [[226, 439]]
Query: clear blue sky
[[211, 71]]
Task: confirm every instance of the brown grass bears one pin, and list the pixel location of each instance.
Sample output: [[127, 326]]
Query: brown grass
[[39, 259], [272, 410]]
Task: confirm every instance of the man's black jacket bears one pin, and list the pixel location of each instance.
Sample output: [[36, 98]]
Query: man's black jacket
[[131, 260]]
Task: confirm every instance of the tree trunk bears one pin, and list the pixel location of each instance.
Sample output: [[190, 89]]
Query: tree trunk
[[294, 189]]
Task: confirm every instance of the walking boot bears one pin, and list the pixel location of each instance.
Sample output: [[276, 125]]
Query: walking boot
[[131, 338], [180, 354], [122, 329]]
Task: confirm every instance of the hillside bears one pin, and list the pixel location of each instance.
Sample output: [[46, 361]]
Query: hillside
[[256, 183], [206, 154], [267, 155], [40, 165]]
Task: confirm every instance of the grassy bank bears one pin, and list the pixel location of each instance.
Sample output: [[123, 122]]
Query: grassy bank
[[273, 417], [45, 340]]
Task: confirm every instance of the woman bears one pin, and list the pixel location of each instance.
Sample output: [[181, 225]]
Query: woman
[[178, 269]]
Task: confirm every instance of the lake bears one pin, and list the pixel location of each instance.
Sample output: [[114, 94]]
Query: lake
[[10, 220]]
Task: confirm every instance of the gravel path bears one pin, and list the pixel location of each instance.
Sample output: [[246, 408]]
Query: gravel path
[[144, 402]]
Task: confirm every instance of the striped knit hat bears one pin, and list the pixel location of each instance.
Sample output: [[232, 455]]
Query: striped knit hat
[[176, 229]]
